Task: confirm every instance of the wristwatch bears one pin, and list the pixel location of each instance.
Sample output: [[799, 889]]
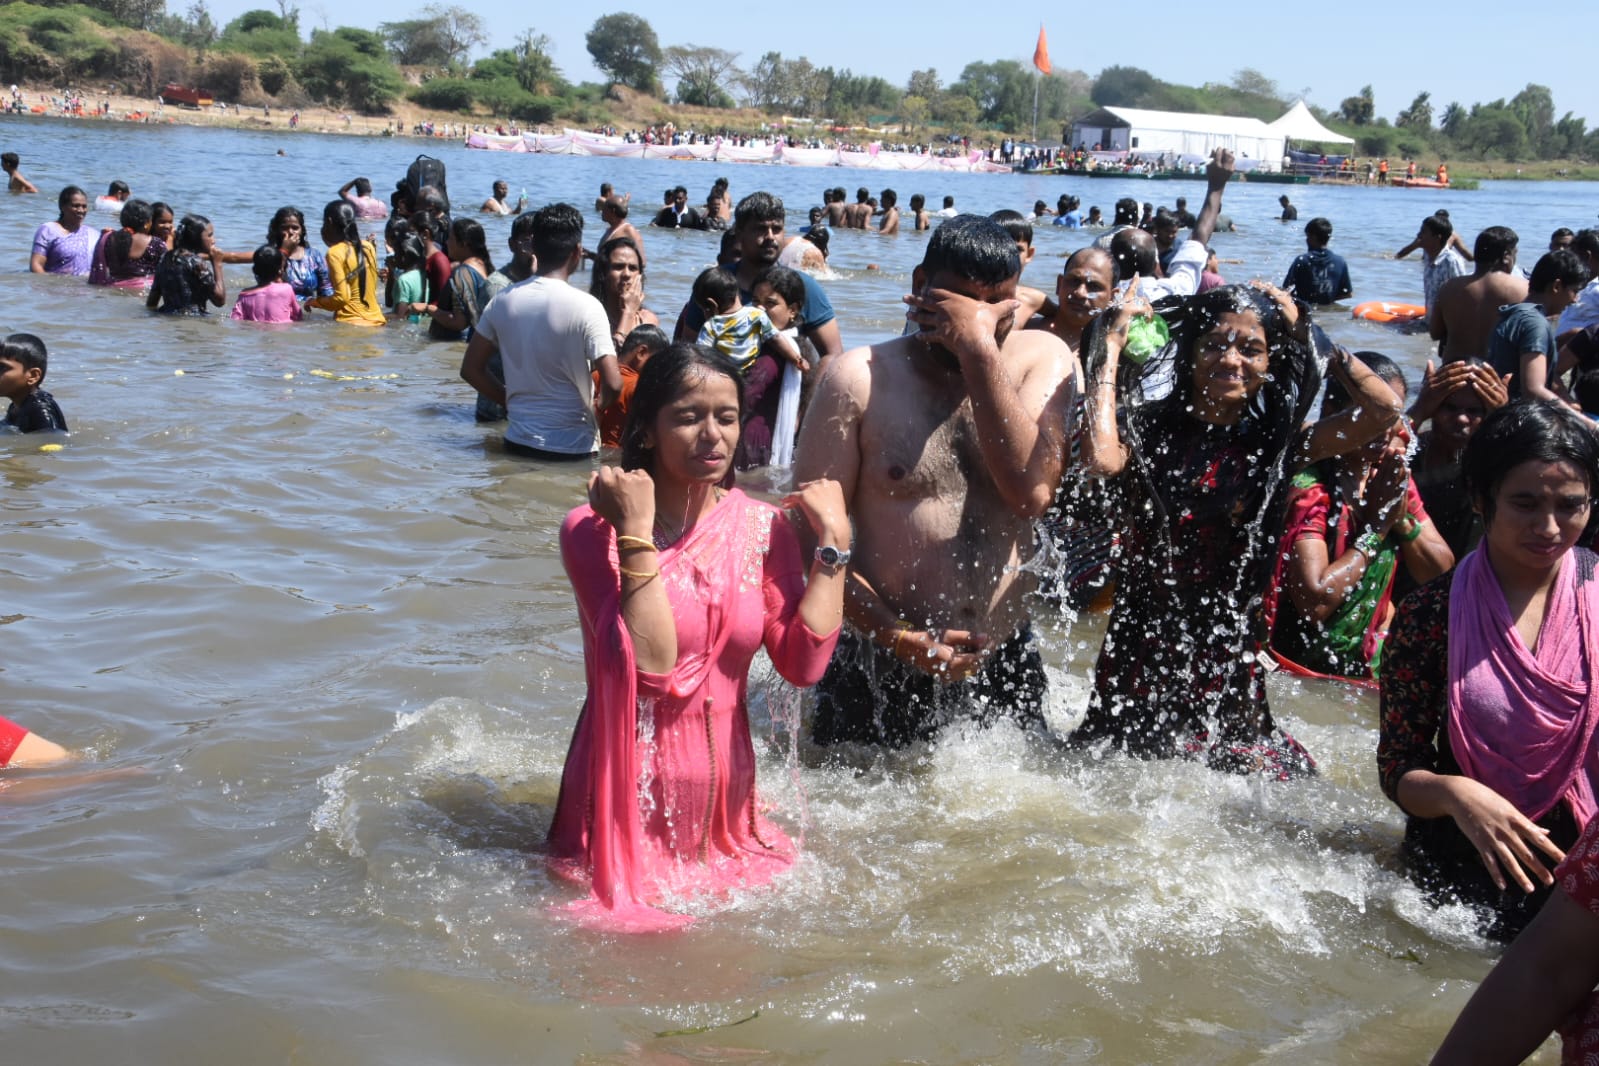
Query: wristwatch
[[832, 556]]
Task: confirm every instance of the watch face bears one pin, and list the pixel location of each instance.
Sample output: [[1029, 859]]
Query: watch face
[[828, 555]]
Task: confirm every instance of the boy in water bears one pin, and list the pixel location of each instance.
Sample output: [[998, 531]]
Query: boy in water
[[631, 355], [919, 210], [9, 162], [23, 361], [737, 331], [1320, 276]]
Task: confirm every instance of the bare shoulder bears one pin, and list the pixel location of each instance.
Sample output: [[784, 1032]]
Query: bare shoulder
[[1039, 353]]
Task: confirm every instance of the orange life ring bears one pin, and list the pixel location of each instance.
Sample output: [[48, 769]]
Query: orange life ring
[[1384, 311]]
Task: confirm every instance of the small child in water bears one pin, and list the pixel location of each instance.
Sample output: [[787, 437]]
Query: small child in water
[[272, 299], [737, 331], [23, 362], [407, 282]]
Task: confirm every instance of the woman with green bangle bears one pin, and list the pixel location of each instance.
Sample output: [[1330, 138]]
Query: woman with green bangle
[[1353, 522]]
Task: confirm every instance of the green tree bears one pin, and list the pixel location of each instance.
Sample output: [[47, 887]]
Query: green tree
[[201, 32], [914, 111], [766, 83], [441, 36], [1123, 87], [1418, 115], [1454, 118], [1358, 110], [349, 66], [924, 83], [1251, 82], [1535, 106], [261, 33], [1003, 91], [703, 74], [624, 46], [535, 66]]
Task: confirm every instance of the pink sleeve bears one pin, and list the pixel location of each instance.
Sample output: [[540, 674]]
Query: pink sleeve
[[605, 769], [799, 654], [11, 735]]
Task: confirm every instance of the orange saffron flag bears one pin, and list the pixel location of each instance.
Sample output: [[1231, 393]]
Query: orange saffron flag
[[1041, 53]]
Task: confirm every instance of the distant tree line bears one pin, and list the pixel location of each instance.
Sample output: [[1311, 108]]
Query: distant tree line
[[263, 56]]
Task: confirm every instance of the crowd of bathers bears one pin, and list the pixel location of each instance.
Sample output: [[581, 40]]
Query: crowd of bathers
[[1243, 494]]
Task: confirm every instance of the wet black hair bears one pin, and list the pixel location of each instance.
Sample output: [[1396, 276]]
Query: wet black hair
[[469, 233], [117, 188], [557, 233], [521, 230], [1439, 226], [1014, 223], [1526, 431], [9, 161], [918, 201], [27, 351], [1318, 231], [862, 194], [410, 253], [715, 288], [649, 335], [266, 264], [890, 198], [189, 233], [363, 187], [949, 201], [1126, 212], [758, 207], [819, 236], [1563, 233], [785, 282], [602, 258], [66, 194], [1586, 243], [275, 227], [135, 216], [974, 248], [664, 378], [339, 217], [1492, 245], [1562, 265]]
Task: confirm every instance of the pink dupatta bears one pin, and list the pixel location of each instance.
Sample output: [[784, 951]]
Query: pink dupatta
[[675, 811], [1520, 722]]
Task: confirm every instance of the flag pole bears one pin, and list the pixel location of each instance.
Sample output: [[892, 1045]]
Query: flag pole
[[1035, 107]]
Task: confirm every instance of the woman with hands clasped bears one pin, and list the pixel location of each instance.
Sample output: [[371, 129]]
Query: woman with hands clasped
[[1488, 695], [679, 582]]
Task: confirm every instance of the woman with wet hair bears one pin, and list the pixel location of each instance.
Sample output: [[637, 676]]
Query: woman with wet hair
[[618, 283], [1489, 694], [680, 581], [304, 267], [352, 267], [470, 267], [189, 276], [127, 257], [1198, 435]]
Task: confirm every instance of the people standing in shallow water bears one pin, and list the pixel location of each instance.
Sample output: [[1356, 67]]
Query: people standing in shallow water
[[679, 582], [1201, 473], [65, 246], [948, 443], [127, 256], [1355, 523], [189, 276], [1489, 699], [304, 268]]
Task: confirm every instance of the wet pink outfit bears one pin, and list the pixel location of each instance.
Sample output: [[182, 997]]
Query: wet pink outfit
[[658, 796]]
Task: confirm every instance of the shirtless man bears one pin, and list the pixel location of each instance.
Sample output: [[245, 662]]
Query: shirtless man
[[497, 205], [836, 208], [1082, 292], [858, 215], [15, 182], [889, 224], [949, 443], [613, 212], [1466, 310]]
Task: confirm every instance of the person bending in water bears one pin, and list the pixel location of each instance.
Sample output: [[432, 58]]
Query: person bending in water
[[679, 582], [1201, 470], [1489, 702], [948, 444], [20, 748], [23, 363]]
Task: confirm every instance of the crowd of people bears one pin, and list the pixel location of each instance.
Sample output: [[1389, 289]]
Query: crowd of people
[[1159, 426]]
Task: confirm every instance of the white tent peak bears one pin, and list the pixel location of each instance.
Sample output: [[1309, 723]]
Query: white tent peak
[[1300, 125]]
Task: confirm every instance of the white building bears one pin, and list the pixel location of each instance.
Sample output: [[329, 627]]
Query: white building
[[1173, 133]]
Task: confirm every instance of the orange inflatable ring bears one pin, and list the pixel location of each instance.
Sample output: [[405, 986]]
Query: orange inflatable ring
[[1384, 311]]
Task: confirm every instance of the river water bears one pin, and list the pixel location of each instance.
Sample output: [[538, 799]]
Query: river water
[[310, 624]]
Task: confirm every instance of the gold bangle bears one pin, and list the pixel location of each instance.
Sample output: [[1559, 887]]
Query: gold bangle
[[899, 634], [642, 575], [635, 542]]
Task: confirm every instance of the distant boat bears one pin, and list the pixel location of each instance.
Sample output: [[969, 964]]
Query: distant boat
[[1276, 178], [1418, 183]]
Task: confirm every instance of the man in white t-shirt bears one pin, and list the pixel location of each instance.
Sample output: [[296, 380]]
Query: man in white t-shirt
[[1585, 312], [551, 338], [1134, 250]]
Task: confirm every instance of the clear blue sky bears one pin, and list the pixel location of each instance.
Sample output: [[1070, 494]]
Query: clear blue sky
[[1473, 51]]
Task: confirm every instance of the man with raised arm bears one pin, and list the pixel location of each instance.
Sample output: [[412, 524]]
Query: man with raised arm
[[948, 443], [1135, 251]]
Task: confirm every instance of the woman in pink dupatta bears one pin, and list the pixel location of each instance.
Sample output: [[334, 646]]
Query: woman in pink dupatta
[[679, 583], [1489, 700]]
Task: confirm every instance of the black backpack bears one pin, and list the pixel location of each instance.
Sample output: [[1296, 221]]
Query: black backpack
[[426, 170]]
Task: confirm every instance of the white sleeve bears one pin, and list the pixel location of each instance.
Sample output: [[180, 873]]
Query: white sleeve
[[1182, 278], [597, 342]]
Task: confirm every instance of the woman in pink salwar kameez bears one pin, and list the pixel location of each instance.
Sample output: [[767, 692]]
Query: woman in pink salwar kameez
[[679, 583]]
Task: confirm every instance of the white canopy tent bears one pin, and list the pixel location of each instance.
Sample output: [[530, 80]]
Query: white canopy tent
[[1300, 125], [1155, 133]]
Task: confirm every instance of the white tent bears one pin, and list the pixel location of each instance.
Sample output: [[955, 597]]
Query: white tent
[[1155, 133], [1300, 125]]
